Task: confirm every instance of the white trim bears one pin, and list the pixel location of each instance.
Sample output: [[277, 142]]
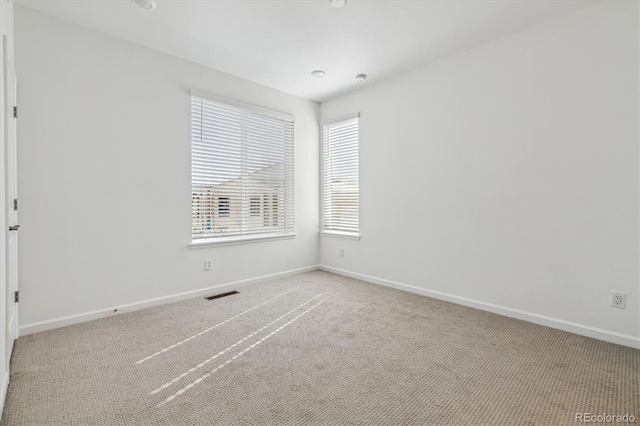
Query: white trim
[[239, 239], [37, 327], [340, 119], [571, 327], [338, 234], [253, 108], [4, 389]]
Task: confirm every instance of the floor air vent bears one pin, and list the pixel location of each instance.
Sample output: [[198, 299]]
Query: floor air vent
[[217, 296]]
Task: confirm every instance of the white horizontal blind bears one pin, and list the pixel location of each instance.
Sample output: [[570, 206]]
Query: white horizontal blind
[[340, 193], [241, 171]]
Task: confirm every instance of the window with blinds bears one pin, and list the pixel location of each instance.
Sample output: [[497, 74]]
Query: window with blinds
[[340, 194], [241, 170]]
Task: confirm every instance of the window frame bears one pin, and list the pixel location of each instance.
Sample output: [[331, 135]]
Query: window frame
[[356, 235], [197, 243]]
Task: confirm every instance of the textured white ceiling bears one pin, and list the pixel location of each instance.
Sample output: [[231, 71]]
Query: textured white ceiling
[[278, 43]]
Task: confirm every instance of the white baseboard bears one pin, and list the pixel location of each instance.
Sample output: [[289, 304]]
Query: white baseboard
[[4, 388], [37, 327], [571, 327], [581, 329]]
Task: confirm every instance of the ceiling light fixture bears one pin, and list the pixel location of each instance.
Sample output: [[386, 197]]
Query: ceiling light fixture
[[318, 73], [361, 77], [337, 3], [145, 4]]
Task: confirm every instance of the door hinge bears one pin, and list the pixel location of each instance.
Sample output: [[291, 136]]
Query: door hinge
[[15, 112], [15, 204], [17, 296]]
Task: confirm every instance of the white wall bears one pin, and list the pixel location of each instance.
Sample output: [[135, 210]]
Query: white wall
[[104, 174], [506, 177]]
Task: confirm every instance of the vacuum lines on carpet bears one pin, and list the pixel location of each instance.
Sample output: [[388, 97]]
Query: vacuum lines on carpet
[[205, 362], [211, 328], [239, 342], [221, 366]]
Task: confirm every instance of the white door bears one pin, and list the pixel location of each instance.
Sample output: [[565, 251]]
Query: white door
[[11, 182]]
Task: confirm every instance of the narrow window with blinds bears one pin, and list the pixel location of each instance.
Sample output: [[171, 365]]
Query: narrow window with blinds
[[240, 156], [340, 193]]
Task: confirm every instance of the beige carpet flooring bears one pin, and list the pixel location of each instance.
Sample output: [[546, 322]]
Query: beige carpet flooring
[[316, 348]]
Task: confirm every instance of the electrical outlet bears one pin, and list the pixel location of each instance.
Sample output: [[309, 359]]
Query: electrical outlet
[[341, 253], [208, 264], [618, 299]]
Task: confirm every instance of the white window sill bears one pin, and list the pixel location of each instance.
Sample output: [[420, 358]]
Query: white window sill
[[345, 235], [238, 239]]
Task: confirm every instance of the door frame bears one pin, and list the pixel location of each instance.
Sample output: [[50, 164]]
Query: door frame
[[11, 306]]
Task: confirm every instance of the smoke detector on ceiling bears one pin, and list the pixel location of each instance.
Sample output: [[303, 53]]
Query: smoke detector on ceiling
[[337, 3], [145, 4], [318, 73], [361, 77]]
